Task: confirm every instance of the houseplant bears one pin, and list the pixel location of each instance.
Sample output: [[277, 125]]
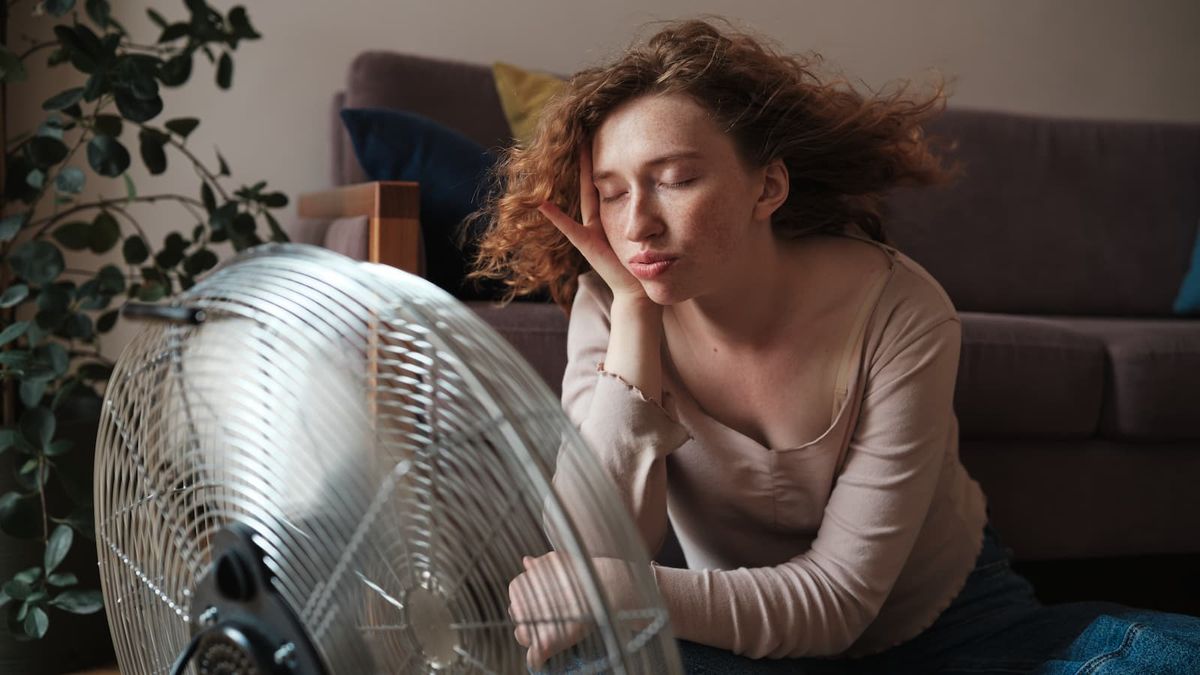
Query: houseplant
[[52, 314]]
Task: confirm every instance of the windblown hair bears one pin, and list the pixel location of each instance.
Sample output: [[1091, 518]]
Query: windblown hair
[[842, 150]]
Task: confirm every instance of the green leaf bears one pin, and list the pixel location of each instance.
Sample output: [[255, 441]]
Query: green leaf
[[107, 320], [45, 151], [59, 447], [174, 32], [13, 332], [78, 602], [207, 197], [200, 262], [35, 179], [20, 516], [182, 126], [36, 621], [57, 547], [70, 180], [105, 233], [135, 250], [37, 261], [11, 67], [107, 156], [108, 125], [56, 354], [274, 200], [168, 258], [225, 71], [94, 371], [63, 99], [74, 235], [13, 295], [99, 11], [243, 223], [176, 70], [58, 8], [277, 233], [223, 165], [31, 391], [156, 18], [153, 156], [130, 190], [29, 575], [111, 279], [152, 292], [37, 425], [17, 590], [135, 108], [10, 226], [62, 579], [241, 24], [79, 326], [8, 438]]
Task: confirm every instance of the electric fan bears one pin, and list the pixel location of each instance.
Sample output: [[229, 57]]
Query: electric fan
[[308, 464]]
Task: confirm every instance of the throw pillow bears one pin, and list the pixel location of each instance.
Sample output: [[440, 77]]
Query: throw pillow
[[452, 170], [523, 94], [1188, 300]]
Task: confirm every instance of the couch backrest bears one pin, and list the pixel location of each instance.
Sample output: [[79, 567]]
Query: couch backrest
[[1053, 216], [1058, 216]]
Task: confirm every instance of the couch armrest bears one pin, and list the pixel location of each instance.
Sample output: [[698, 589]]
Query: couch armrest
[[392, 211]]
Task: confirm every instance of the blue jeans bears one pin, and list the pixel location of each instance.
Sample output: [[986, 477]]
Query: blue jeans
[[995, 626]]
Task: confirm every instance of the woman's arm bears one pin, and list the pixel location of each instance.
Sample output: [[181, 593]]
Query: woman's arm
[[611, 391], [821, 602]]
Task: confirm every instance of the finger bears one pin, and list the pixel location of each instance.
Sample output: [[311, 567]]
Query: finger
[[589, 207], [565, 224]]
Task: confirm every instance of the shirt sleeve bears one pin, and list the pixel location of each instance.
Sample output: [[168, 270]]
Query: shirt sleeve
[[628, 432], [819, 603]]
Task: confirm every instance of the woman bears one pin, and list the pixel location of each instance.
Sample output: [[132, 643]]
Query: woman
[[746, 346]]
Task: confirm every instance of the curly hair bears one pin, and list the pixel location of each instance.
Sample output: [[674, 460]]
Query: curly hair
[[842, 150]]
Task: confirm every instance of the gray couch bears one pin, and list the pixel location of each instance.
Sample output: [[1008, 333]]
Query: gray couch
[[1062, 248]]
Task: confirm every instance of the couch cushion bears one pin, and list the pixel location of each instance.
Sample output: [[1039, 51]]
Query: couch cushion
[[538, 330], [460, 95], [1057, 216], [1153, 388], [1027, 377]]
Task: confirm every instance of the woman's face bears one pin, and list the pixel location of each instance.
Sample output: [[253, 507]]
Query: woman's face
[[672, 186]]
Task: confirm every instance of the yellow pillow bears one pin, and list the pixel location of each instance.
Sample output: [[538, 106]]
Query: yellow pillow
[[523, 94]]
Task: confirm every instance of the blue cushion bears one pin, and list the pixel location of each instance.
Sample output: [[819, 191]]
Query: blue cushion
[[451, 168], [1188, 300]]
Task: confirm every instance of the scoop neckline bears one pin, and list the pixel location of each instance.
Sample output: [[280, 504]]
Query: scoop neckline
[[859, 337]]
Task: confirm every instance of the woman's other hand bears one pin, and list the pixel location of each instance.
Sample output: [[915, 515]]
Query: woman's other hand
[[589, 236]]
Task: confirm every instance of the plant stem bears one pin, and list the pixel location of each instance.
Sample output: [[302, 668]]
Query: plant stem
[[206, 174], [42, 496], [46, 222], [36, 48]]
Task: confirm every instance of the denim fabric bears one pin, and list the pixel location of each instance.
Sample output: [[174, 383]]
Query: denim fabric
[[997, 626]]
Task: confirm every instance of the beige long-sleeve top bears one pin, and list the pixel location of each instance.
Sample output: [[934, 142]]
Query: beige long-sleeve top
[[846, 545]]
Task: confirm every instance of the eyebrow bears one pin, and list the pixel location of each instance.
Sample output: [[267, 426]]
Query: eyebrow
[[689, 154]]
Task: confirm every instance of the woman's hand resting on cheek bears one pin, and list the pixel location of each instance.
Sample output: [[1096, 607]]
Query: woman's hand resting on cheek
[[548, 605], [589, 236]]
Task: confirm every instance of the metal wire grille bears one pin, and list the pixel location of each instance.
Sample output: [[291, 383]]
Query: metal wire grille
[[394, 457]]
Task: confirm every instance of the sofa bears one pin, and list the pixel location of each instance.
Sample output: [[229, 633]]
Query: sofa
[[1062, 247]]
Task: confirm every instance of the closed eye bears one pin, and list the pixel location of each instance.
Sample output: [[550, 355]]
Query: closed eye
[[612, 198], [678, 184]]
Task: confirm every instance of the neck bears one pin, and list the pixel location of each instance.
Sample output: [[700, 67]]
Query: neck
[[746, 313]]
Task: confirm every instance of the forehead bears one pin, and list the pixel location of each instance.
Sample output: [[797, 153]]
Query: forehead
[[649, 127]]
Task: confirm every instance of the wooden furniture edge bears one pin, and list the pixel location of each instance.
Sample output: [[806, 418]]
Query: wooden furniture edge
[[392, 209]]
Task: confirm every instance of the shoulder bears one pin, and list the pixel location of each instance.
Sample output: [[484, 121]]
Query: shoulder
[[911, 306]]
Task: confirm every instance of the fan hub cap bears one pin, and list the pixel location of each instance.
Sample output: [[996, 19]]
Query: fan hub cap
[[430, 620]]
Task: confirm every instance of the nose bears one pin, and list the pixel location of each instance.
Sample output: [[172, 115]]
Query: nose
[[644, 220]]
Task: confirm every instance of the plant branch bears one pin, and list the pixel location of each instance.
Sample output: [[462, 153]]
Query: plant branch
[[36, 48], [42, 496], [205, 173], [46, 222], [132, 221]]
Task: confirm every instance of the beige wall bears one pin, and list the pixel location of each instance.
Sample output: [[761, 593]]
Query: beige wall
[[1087, 58]]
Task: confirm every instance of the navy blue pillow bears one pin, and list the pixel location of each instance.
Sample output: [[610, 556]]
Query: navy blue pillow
[[451, 168], [1188, 301]]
